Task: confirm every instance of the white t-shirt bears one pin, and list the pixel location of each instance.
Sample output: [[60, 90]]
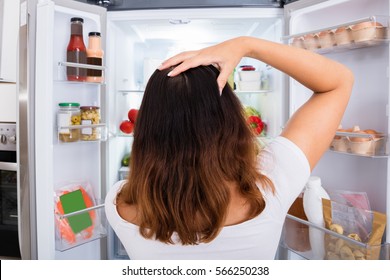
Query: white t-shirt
[[283, 162]]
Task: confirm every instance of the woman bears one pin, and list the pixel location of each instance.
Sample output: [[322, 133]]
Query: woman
[[198, 188]]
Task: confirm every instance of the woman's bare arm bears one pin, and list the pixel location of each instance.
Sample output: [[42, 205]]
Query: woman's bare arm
[[314, 124]]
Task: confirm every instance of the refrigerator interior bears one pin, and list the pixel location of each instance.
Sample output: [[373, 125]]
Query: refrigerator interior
[[138, 41], [368, 107]]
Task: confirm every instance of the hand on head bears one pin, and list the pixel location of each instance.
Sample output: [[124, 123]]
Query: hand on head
[[224, 56]]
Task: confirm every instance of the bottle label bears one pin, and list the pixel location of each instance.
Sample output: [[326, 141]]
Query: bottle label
[[64, 119], [88, 130], [76, 73], [94, 61]]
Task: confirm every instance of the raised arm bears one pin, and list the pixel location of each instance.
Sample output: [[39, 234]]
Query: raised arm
[[314, 124]]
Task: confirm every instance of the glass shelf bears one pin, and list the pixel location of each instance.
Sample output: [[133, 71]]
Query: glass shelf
[[131, 91], [251, 91]]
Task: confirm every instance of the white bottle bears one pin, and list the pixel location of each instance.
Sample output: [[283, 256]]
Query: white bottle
[[312, 205]]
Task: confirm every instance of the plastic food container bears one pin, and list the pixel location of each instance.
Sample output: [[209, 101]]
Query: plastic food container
[[249, 75], [326, 39], [298, 42], [368, 30], [311, 41], [68, 115], [339, 144], [249, 85], [90, 115], [343, 35], [370, 147]]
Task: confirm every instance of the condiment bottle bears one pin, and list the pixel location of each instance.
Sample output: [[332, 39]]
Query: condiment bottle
[[76, 51], [312, 205], [94, 57]]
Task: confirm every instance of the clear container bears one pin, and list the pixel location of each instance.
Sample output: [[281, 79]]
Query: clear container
[[90, 115], [68, 115]]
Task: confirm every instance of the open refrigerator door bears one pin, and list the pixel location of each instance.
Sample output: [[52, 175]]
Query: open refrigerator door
[[355, 33], [69, 135]]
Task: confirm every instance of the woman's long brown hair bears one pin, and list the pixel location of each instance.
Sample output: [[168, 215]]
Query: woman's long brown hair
[[188, 142]]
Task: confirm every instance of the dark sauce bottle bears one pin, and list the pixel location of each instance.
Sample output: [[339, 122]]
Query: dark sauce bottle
[[76, 51]]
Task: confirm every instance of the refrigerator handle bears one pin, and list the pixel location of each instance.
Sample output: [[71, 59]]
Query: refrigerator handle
[[25, 141]]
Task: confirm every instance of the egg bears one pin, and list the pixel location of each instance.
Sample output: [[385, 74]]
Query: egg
[[366, 24]]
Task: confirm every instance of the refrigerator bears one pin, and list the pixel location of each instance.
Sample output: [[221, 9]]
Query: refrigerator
[[135, 39]]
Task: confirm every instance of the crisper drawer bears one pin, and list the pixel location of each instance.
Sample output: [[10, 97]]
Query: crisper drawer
[[308, 241]]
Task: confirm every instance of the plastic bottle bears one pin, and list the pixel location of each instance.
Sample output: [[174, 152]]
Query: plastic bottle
[[76, 51], [312, 205], [94, 57]]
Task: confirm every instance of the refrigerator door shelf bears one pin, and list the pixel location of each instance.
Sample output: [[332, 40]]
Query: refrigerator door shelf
[[361, 144], [66, 238], [361, 33], [84, 133], [296, 231], [62, 66]]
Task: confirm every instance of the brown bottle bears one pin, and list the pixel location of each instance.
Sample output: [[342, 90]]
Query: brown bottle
[[76, 51], [94, 57]]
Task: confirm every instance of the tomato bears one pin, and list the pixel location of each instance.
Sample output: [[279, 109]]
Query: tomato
[[126, 126], [132, 115]]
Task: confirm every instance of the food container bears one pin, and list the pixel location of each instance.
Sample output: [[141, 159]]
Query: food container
[[249, 75], [368, 30], [90, 115], [249, 85], [339, 144], [343, 35], [326, 39], [370, 147], [298, 42], [311, 41], [68, 115]]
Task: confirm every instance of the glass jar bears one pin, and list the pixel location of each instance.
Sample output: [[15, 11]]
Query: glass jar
[[90, 115], [68, 115]]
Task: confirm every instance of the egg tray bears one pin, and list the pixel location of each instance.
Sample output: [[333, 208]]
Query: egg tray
[[343, 35], [370, 147]]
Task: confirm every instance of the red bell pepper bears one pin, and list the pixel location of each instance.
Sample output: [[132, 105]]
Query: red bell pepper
[[256, 124]]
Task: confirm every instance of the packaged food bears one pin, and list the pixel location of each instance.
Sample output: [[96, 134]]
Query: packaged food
[[71, 198], [298, 42], [368, 30], [343, 35], [364, 230], [326, 39], [311, 42], [90, 115], [68, 115]]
